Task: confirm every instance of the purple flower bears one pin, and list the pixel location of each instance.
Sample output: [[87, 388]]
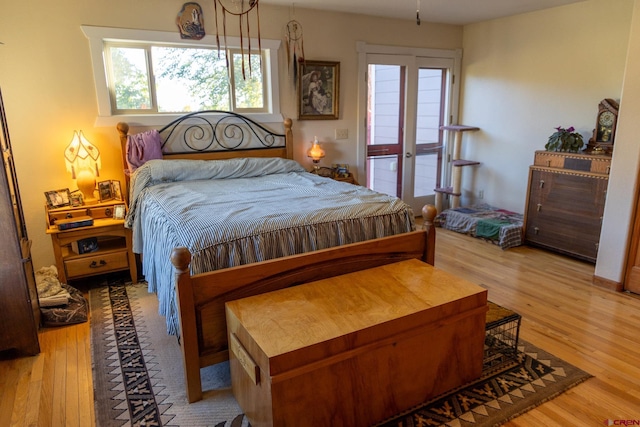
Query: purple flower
[[571, 129]]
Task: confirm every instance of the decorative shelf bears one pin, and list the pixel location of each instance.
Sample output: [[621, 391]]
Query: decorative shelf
[[457, 163]]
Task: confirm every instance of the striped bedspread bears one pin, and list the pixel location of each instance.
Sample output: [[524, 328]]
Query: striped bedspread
[[240, 211]]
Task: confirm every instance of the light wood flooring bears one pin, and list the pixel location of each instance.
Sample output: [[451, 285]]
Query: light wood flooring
[[595, 329]]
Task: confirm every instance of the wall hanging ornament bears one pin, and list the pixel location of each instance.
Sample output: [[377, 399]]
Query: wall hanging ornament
[[190, 22], [241, 9], [295, 47]]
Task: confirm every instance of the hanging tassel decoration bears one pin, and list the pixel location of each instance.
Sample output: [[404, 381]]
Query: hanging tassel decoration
[[295, 47], [242, 10]]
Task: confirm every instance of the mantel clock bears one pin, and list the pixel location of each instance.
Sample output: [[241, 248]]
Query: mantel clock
[[604, 132]]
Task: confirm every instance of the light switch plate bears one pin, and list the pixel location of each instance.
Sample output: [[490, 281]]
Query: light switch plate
[[342, 133]]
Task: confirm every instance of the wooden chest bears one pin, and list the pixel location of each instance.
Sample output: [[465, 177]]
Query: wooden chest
[[355, 349]]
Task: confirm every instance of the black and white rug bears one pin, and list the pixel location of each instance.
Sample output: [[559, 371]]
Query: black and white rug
[[138, 377]]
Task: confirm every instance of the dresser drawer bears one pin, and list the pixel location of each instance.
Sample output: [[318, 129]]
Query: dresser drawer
[[573, 161], [96, 264]]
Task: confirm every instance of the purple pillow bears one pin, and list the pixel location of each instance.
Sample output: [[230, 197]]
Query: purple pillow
[[142, 147]]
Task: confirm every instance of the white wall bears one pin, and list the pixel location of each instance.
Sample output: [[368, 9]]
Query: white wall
[[621, 194], [525, 75]]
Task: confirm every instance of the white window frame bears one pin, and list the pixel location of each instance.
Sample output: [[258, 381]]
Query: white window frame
[[99, 35]]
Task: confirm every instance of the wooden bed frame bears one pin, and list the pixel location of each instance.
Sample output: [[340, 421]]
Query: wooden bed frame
[[201, 297]]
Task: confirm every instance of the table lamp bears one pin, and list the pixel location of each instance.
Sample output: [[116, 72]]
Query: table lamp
[[83, 161], [316, 153]]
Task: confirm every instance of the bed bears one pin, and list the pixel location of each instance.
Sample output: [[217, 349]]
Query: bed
[[225, 190], [498, 226]]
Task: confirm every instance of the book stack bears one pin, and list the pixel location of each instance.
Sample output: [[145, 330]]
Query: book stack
[[80, 221]]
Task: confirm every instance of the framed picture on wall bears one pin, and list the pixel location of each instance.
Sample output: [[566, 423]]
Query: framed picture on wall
[[318, 90]]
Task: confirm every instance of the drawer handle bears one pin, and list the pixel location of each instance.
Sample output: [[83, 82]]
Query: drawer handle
[[539, 206], [95, 264], [536, 230], [541, 183]]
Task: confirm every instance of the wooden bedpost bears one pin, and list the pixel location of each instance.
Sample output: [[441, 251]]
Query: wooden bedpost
[[288, 137], [181, 258], [123, 131], [429, 213]]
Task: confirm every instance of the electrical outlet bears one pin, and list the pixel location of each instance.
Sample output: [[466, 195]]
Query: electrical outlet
[[481, 194], [342, 133]]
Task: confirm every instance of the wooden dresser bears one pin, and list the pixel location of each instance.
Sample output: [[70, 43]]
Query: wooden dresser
[[565, 202]]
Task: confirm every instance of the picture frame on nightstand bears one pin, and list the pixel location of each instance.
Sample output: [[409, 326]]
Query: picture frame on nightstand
[[117, 189], [119, 211], [105, 190], [58, 198]]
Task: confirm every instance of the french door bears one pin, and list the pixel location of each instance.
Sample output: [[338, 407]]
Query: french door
[[408, 99]]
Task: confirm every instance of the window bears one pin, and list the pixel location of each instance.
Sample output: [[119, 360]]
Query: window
[[149, 75]]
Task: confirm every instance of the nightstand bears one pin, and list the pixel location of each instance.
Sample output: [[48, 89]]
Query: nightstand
[[330, 173], [114, 248], [349, 178]]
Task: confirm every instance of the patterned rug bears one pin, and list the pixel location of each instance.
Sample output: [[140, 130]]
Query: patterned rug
[[138, 378]]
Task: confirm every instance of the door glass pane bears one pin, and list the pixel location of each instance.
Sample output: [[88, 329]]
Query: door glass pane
[[428, 134], [382, 174], [384, 104], [426, 174]]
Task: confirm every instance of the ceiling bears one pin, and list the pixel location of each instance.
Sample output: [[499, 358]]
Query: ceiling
[[459, 12]]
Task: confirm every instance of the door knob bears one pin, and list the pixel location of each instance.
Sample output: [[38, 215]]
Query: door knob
[[408, 155]]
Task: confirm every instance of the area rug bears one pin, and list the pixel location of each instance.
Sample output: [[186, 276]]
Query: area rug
[[138, 377]]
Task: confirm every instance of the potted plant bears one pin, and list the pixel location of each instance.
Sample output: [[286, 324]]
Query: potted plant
[[565, 140]]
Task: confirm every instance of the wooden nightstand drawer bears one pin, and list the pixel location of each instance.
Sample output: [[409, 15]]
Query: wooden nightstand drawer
[[97, 264], [112, 239]]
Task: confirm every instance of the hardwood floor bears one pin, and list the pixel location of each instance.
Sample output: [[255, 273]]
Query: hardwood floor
[[562, 312]]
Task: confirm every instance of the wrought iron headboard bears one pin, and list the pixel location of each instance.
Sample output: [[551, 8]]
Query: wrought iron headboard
[[215, 130], [215, 134]]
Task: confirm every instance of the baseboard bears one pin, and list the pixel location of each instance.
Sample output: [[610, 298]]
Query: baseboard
[[607, 283]]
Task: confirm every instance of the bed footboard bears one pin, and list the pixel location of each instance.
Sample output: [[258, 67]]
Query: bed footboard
[[202, 297]]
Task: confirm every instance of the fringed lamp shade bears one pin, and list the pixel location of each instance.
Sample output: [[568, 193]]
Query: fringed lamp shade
[[83, 162]]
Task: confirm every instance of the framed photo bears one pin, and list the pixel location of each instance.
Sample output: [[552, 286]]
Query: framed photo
[[76, 198], [117, 189], [105, 190], [58, 198], [318, 90], [119, 211]]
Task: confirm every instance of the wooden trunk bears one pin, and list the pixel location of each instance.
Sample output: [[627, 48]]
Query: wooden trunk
[[355, 349]]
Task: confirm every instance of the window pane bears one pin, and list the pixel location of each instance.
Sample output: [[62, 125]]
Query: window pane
[[247, 81], [130, 78], [190, 79]]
